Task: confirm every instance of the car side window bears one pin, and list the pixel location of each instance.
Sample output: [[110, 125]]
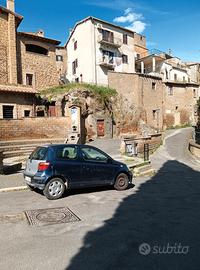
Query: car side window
[[67, 152], [91, 154]]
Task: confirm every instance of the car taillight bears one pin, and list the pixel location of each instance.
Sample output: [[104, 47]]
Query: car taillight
[[42, 166]]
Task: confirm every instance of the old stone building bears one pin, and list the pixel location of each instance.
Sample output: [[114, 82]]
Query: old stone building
[[36, 60], [29, 62], [180, 86], [142, 96]]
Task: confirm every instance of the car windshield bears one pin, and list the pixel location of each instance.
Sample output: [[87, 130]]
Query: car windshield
[[40, 153]]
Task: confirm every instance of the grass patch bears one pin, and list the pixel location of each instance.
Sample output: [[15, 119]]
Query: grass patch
[[105, 93]]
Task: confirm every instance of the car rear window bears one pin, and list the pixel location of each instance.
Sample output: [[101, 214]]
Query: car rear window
[[40, 153]]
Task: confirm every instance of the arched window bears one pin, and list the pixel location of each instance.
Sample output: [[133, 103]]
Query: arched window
[[36, 49]]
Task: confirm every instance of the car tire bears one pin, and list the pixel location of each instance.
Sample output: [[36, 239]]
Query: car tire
[[54, 189], [121, 182]]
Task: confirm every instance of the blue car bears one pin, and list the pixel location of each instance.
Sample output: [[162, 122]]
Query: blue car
[[56, 168]]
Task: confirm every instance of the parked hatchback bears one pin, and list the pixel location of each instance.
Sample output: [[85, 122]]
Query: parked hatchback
[[56, 168]]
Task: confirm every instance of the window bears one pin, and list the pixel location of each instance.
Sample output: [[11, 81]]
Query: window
[[91, 154], [107, 36], [124, 59], [175, 77], [166, 74], [74, 66], [26, 113], [153, 86], [154, 114], [8, 112], [183, 78], [194, 93], [36, 49], [67, 152], [125, 39], [75, 45], [40, 153], [29, 79], [109, 56], [137, 56], [59, 58], [170, 91]]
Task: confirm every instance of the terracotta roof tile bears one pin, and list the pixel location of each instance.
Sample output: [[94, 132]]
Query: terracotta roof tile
[[17, 88]]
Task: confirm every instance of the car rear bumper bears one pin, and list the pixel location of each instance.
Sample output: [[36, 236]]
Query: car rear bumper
[[35, 181]]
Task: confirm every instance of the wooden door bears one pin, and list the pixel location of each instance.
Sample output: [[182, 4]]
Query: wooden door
[[100, 128]]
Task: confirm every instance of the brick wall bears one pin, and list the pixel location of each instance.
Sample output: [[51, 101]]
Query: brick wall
[[34, 128]]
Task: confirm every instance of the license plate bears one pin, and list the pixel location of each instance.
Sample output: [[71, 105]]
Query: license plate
[[27, 179]]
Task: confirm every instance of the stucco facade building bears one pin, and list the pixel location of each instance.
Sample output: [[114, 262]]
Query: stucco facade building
[[95, 47]]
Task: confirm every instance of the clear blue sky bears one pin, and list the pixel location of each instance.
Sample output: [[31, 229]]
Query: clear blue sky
[[172, 24]]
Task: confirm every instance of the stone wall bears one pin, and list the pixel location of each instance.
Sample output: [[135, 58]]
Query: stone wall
[[19, 101], [3, 48], [180, 105], [34, 128], [140, 98], [194, 149], [12, 49], [43, 67]]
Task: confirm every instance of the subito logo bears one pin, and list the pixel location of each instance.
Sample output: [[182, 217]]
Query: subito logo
[[144, 249]]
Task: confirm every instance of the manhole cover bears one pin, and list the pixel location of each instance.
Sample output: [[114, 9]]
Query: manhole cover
[[40, 217]]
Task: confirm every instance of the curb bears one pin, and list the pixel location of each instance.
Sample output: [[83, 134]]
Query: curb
[[10, 189]]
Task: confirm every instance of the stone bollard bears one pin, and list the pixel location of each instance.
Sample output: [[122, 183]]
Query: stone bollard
[[1, 162]]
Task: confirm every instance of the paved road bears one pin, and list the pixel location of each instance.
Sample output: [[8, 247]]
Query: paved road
[[162, 211]]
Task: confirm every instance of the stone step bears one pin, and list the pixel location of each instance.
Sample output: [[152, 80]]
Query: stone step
[[33, 141], [150, 172], [16, 153], [143, 168], [19, 147]]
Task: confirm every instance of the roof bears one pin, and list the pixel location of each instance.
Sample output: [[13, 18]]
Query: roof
[[98, 20], [40, 38], [18, 17], [17, 89]]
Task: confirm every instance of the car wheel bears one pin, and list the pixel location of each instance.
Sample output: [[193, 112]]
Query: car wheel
[[54, 189], [121, 182]]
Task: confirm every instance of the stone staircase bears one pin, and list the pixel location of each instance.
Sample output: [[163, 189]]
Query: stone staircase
[[16, 152]]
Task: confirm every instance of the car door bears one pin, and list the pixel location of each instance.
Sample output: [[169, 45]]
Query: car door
[[68, 164], [96, 168]]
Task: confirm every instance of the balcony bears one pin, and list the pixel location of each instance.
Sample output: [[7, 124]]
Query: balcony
[[107, 62], [110, 41], [156, 72]]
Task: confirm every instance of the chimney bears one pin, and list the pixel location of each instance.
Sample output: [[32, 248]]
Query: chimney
[[40, 33], [11, 5]]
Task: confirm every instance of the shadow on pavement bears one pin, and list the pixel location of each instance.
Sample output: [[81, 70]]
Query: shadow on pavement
[[165, 212]]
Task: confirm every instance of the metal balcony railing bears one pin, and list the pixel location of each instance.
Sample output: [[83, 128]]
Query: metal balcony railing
[[112, 41], [107, 61]]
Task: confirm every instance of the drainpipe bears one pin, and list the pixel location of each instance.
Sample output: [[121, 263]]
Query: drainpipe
[[95, 56]]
